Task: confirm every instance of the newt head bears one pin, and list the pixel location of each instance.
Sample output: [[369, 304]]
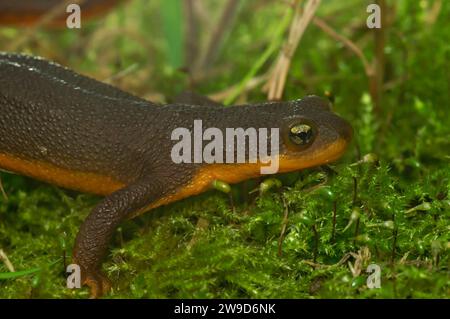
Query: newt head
[[311, 135], [307, 132]]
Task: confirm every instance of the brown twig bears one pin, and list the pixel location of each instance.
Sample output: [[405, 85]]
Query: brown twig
[[374, 71], [355, 191], [394, 244], [316, 242], [2, 190], [192, 34], [341, 262], [348, 43], [218, 34], [230, 198], [376, 87], [283, 228], [333, 232]]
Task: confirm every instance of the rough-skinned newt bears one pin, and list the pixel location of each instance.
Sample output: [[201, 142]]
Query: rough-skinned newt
[[28, 12], [69, 130]]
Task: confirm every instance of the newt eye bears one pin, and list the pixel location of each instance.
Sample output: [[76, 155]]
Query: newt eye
[[301, 134]]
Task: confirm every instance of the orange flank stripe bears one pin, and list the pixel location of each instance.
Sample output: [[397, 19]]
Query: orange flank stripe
[[71, 179], [201, 182], [235, 173]]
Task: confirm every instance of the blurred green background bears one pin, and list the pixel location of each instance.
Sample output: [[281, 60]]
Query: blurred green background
[[390, 207]]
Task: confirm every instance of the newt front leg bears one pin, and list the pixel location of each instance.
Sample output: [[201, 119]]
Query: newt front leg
[[95, 233]]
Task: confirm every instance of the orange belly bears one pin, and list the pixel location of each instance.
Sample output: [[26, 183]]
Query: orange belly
[[71, 179]]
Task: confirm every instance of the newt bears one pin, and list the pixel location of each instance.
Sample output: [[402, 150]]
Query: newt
[[29, 12], [72, 131]]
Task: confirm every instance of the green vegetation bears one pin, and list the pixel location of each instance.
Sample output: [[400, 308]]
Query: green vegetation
[[386, 202]]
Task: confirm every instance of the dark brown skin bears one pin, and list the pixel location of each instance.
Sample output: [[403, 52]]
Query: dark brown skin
[[29, 12], [72, 131]]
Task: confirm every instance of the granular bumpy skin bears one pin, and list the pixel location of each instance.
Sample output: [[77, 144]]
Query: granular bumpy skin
[[75, 132]]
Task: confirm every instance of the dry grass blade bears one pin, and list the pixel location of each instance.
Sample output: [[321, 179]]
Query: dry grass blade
[[361, 260], [302, 19], [121, 74], [434, 12], [2, 190], [6, 261], [250, 85]]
